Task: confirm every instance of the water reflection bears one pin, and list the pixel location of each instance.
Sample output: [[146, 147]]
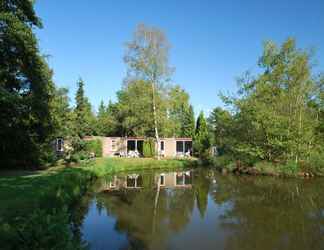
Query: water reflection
[[202, 210], [181, 179]]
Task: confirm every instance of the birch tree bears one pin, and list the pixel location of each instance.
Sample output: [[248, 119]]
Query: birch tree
[[147, 59]]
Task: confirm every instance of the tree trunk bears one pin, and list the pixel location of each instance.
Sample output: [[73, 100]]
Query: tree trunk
[[156, 201], [155, 122]]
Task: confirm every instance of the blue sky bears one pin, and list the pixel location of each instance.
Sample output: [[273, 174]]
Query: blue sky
[[213, 42]]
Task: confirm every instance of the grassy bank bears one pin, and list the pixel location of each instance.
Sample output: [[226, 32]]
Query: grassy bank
[[34, 211], [226, 164], [105, 166]]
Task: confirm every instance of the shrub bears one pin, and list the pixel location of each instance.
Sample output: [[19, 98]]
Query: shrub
[[94, 146], [316, 163], [221, 161], [78, 144], [149, 148], [266, 168], [83, 150], [290, 168], [43, 230]]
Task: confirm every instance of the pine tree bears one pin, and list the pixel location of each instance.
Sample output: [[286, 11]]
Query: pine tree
[[189, 123], [103, 125], [201, 142], [85, 120]]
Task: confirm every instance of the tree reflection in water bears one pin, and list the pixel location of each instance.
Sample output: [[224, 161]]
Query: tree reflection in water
[[271, 213], [155, 210]]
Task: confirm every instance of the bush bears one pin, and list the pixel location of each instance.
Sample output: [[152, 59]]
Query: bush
[[290, 168], [84, 150], [221, 161], [267, 168], [316, 163], [42, 230], [94, 146], [149, 148]]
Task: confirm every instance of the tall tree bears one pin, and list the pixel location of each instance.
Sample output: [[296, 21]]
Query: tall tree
[[189, 122], [220, 123], [275, 118], [25, 87], [135, 109], [101, 119], [147, 59], [202, 141], [85, 120], [180, 113], [62, 115]]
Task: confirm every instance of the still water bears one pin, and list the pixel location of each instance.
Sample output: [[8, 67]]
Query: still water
[[202, 209]]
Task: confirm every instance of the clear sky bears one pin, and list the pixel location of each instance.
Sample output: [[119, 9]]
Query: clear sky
[[213, 41]]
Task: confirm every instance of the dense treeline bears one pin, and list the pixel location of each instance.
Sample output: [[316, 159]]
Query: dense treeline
[[278, 115]]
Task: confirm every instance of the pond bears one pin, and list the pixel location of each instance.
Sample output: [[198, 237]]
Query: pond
[[201, 209]]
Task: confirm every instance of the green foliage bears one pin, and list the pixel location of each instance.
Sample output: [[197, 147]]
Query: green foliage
[[149, 148], [85, 120], [222, 161], [201, 143], [181, 115], [94, 146], [84, 149], [26, 87], [134, 109], [220, 122], [106, 124], [36, 218], [290, 168], [62, 115], [277, 114], [268, 168], [316, 163], [132, 113], [44, 230]]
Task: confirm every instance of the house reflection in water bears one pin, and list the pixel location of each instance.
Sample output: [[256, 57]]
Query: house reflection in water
[[176, 179], [181, 179]]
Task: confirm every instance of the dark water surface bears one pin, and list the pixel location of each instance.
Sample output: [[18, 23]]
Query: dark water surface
[[201, 209]]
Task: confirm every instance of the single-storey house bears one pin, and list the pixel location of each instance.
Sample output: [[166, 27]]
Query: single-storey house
[[133, 146], [125, 146]]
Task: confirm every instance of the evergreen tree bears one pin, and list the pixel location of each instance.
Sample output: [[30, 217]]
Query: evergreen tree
[[85, 120], [202, 141], [189, 122], [26, 87], [101, 118]]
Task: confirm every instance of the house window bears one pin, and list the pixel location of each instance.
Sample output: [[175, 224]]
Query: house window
[[113, 145], [162, 180], [59, 145], [188, 147], [179, 146], [162, 145]]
